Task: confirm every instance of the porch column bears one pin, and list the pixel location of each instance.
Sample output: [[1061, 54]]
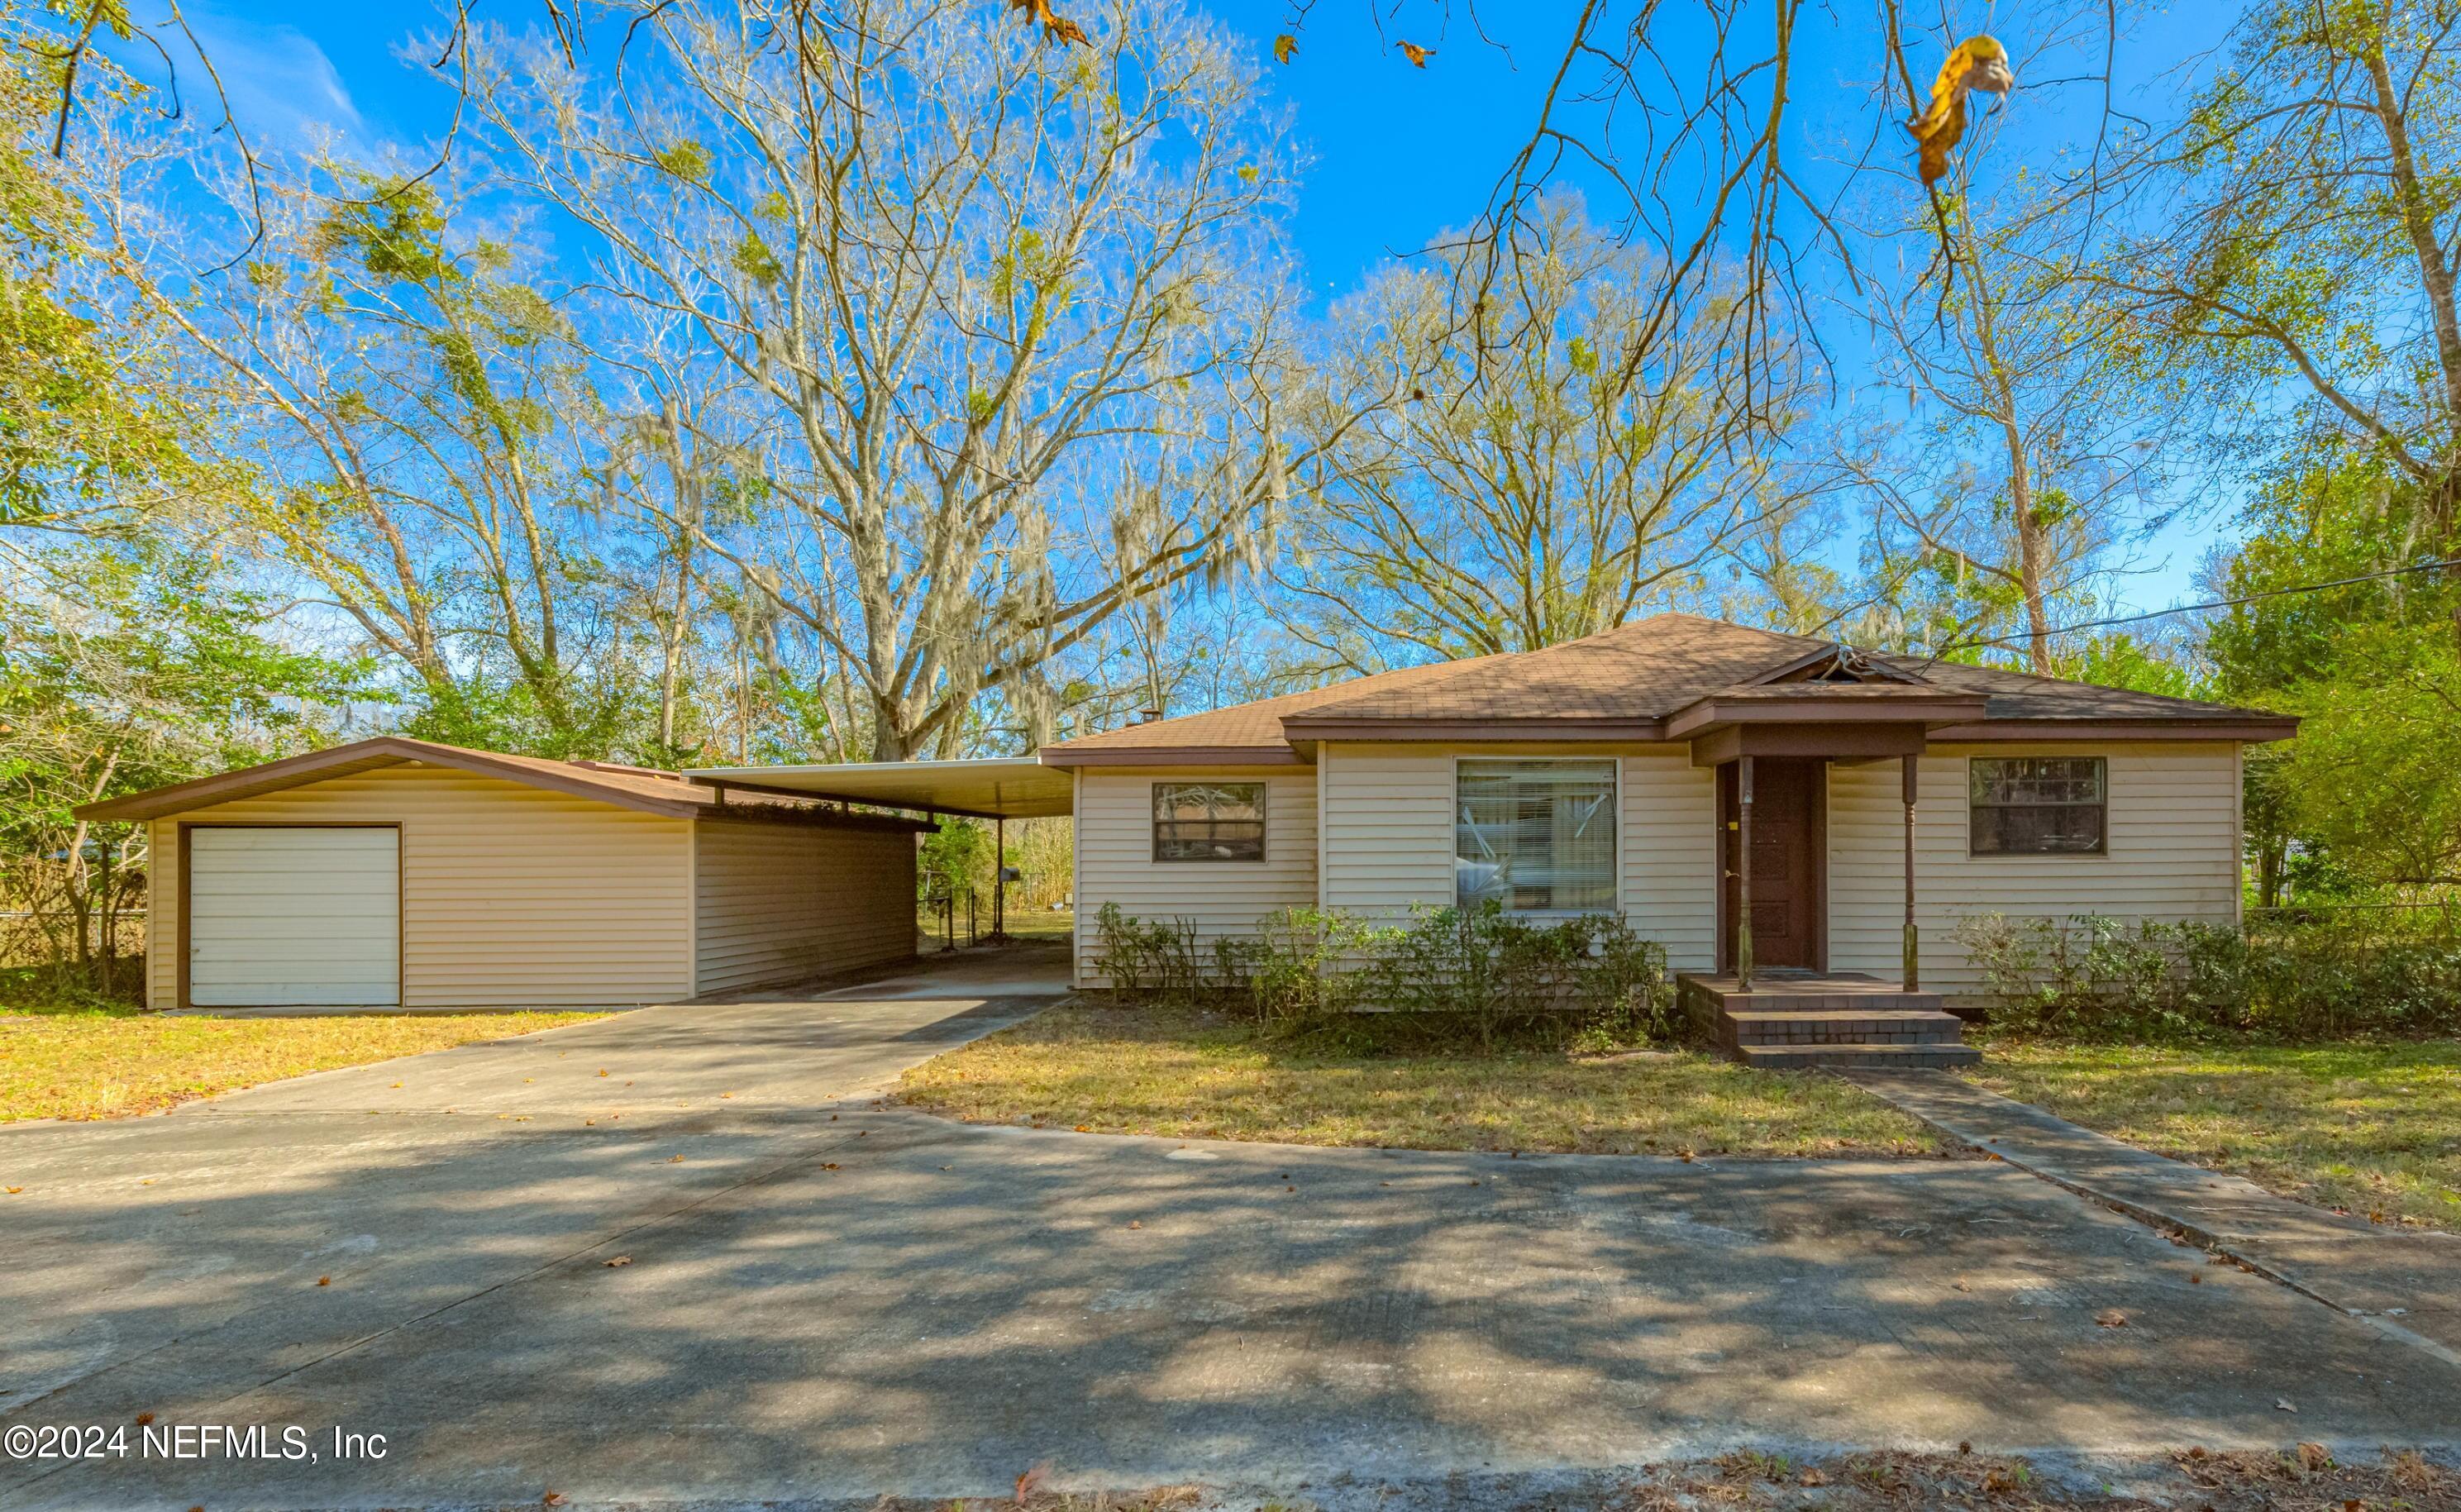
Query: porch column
[[1913, 948], [1744, 873]]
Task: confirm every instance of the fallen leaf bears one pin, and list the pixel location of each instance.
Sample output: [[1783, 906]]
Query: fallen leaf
[[1286, 46], [1136, 1223], [831, 1166], [1813, 1477], [1032, 1481], [2111, 1318], [2282, 1404], [602, 1073], [674, 1159], [15, 1190], [2195, 1278], [553, 1498], [620, 1260], [142, 1418], [1084, 1128], [1417, 54], [324, 1281], [2312, 1457], [1979, 62]]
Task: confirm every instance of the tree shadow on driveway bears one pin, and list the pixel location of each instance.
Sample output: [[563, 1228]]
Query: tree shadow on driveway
[[821, 1302]]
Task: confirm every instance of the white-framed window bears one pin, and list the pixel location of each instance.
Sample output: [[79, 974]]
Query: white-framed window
[[2038, 805], [1208, 822], [1537, 834]]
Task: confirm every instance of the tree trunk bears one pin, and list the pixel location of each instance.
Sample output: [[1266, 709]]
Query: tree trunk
[[2434, 272]]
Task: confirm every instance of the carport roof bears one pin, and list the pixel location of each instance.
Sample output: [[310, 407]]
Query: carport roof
[[994, 787]]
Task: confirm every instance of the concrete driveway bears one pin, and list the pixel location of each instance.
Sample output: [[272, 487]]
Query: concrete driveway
[[821, 1299]]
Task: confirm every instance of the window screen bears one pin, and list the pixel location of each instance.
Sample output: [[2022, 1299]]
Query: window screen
[[1535, 835], [2037, 805], [1208, 822]]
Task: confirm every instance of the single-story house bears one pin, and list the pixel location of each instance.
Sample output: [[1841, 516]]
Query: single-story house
[[1880, 798], [403, 872]]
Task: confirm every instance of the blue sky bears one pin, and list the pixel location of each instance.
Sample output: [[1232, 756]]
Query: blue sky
[[1398, 153]]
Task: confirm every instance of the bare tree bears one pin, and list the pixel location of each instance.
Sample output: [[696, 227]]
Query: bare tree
[[944, 260], [1508, 494], [2029, 447]]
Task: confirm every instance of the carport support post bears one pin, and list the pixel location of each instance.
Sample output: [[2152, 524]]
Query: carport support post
[[1743, 874], [1000, 880], [1913, 951]]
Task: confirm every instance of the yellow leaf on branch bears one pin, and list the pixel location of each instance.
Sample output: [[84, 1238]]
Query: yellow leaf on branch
[[1979, 62], [1055, 28]]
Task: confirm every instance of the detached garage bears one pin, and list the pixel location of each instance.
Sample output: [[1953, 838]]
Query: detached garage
[[403, 873]]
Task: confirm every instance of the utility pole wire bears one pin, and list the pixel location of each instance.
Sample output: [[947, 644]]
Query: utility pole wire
[[2216, 603]]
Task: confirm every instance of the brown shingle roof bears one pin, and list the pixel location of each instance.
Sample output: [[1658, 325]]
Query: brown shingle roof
[[1646, 670], [1257, 724], [1635, 675]]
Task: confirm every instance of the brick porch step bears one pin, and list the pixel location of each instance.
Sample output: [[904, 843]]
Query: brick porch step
[[1801, 1057], [1857, 1025], [1845, 1018]]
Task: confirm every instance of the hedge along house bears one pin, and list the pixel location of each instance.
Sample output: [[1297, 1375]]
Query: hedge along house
[[1880, 800], [399, 872]]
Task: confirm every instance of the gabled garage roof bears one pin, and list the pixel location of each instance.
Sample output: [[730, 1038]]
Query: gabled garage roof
[[652, 792]]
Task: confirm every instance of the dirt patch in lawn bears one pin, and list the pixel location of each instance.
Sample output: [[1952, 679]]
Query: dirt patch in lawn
[[2373, 1130], [1188, 1073], [105, 1065]]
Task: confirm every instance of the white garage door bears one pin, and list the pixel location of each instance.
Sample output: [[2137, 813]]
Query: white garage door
[[294, 916]]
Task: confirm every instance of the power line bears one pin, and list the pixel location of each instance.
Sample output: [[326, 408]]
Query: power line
[[2194, 608]]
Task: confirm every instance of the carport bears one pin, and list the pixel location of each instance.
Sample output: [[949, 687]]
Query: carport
[[995, 788]]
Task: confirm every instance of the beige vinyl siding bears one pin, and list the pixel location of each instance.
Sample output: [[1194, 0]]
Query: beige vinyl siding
[[2172, 854], [510, 895], [1389, 828], [775, 903], [1388, 835], [1670, 858], [1115, 861]]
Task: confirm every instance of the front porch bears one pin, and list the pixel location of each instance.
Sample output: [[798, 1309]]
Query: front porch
[[1790, 1019]]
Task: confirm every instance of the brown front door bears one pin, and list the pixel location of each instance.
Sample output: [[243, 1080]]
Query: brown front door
[[1789, 797]]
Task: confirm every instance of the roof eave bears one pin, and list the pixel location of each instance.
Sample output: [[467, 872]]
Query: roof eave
[[1190, 755], [2244, 728], [380, 750], [1301, 728], [1942, 707]]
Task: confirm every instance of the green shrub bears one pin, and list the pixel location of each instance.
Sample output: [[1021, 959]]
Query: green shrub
[[1300, 967], [1493, 969], [2316, 976], [1479, 968]]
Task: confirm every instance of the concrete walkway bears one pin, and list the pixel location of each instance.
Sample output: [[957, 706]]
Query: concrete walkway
[[2408, 1283], [635, 1288]]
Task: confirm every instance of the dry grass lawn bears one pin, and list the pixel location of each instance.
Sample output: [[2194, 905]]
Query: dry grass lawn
[[1182, 1074], [102, 1064], [2369, 1129]]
